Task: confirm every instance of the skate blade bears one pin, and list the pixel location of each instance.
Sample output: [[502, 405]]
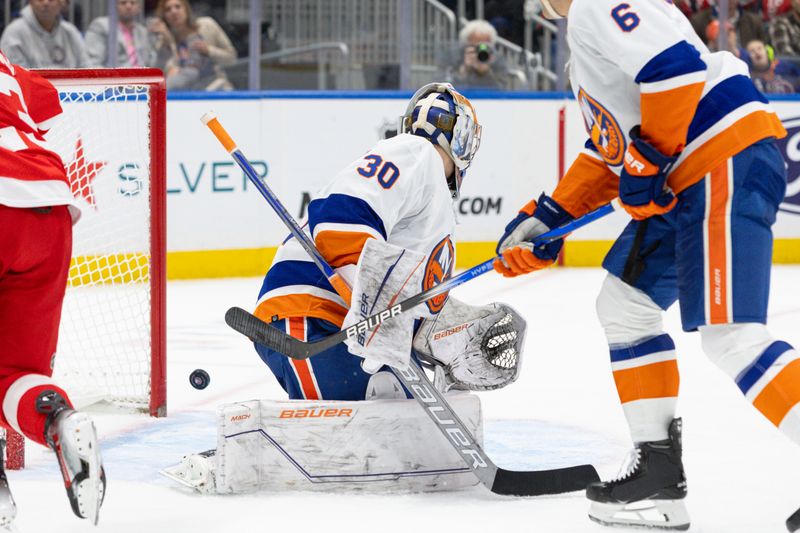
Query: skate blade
[[8, 508], [89, 491], [177, 473], [646, 514]]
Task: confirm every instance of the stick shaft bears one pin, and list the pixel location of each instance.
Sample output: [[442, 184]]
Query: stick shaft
[[305, 241]]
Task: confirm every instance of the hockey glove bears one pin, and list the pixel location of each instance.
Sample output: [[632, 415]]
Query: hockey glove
[[520, 256], [643, 189]]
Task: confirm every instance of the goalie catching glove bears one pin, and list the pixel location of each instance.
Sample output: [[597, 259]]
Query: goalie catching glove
[[476, 348]]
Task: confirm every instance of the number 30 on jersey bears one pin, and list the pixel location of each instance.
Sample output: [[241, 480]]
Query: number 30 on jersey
[[386, 170]]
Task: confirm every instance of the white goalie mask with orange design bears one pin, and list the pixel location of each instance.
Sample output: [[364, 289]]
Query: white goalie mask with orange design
[[446, 118]]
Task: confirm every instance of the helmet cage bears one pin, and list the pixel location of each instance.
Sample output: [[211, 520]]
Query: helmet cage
[[456, 130]]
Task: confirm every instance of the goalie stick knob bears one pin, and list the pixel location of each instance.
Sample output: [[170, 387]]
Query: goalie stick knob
[[199, 379]]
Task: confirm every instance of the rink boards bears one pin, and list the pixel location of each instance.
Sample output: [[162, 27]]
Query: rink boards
[[219, 225]]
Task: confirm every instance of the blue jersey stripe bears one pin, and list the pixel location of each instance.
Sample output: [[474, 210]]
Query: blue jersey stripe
[[662, 343], [677, 60], [285, 273], [726, 97], [344, 209], [748, 377]]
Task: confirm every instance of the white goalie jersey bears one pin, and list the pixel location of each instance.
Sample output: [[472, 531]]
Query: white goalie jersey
[[396, 193]]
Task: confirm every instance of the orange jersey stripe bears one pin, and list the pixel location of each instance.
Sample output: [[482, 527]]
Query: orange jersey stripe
[[300, 305], [780, 394], [746, 131], [717, 244], [587, 185], [656, 380], [340, 248], [666, 116]]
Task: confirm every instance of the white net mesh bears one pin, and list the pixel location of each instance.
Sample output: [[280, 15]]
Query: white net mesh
[[104, 346]]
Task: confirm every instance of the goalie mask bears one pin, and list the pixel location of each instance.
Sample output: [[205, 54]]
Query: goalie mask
[[446, 118]]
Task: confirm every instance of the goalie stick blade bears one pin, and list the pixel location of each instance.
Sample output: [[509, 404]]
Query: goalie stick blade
[[259, 331], [539, 483]]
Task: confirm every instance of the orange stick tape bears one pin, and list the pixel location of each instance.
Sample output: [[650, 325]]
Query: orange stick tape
[[210, 120]]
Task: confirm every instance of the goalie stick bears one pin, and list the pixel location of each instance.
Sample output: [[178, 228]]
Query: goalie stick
[[414, 379], [297, 349]]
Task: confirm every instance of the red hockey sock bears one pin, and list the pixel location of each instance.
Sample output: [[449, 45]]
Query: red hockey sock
[[18, 395]]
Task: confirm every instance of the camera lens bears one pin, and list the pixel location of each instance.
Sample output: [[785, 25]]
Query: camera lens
[[484, 52]]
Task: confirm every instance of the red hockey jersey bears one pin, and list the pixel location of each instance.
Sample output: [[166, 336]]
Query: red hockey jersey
[[31, 174]]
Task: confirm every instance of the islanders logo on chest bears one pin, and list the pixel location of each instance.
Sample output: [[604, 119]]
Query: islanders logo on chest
[[438, 268], [603, 129]]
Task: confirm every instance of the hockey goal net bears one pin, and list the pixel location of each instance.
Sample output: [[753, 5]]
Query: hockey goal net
[[111, 138]]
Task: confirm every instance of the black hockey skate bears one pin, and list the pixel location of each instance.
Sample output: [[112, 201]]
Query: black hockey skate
[[71, 434], [649, 492]]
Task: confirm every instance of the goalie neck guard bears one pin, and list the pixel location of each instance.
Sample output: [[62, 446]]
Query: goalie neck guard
[[446, 118]]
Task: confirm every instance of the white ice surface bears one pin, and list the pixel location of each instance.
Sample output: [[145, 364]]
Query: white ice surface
[[743, 474]]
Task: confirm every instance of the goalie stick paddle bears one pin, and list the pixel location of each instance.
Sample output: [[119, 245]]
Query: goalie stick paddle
[[414, 378], [496, 479], [296, 349]]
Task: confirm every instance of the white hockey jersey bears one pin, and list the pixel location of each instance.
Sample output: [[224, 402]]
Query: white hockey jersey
[[639, 62], [396, 192]]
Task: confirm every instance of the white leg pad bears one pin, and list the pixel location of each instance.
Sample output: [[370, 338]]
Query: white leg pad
[[627, 314], [379, 446]]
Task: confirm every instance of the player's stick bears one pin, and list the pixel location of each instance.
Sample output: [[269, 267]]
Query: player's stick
[[296, 349], [498, 480]]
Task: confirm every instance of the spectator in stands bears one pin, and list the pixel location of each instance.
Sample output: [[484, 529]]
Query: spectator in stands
[[198, 48], [479, 64], [785, 32], [40, 39], [135, 46], [712, 34], [769, 74], [747, 24]]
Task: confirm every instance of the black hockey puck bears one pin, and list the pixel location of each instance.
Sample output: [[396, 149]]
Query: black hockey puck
[[199, 379]]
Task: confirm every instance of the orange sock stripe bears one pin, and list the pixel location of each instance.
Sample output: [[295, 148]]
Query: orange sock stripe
[[297, 329], [780, 394], [656, 380]]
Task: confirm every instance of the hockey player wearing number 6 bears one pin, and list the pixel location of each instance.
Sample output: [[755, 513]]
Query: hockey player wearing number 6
[[685, 140], [37, 211]]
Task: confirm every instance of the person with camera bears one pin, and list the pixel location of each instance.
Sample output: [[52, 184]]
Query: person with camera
[[480, 66]]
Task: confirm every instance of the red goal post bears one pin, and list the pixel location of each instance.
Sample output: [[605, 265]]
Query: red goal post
[[112, 138]]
